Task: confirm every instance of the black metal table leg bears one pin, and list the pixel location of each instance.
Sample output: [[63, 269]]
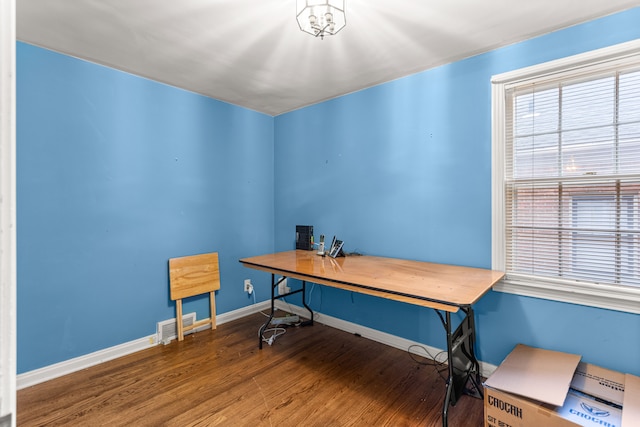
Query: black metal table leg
[[304, 303], [450, 385], [273, 294], [274, 284], [477, 382], [462, 364]]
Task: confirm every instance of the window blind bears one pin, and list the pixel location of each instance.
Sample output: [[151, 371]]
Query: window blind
[[572, 178]]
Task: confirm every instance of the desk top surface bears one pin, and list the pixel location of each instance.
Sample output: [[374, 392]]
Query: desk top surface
[[448, 284]]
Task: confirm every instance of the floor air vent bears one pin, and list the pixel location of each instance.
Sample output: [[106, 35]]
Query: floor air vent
[[168, 330]]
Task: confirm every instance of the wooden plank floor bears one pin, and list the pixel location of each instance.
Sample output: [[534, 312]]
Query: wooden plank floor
[[310, 376]]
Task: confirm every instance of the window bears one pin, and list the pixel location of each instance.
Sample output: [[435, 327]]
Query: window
[[566, 179]]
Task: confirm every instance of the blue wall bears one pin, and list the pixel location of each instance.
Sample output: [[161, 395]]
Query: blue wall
[[404, 170], [115, 175]]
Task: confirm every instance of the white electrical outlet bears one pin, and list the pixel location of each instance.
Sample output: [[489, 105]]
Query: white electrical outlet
[[248, 287], [283, 288]]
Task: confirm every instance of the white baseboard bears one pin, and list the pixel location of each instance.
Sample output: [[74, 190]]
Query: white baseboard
[[242, 312], [56, 370], [440, 355]]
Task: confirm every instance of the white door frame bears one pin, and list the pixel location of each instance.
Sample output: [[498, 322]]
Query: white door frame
[[7, 212]]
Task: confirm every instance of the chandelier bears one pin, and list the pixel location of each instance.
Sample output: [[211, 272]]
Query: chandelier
[[320, 17]]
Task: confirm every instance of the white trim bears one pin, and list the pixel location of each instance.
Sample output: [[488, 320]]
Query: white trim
[[486, 369], [497, 178], [618, 298], [603, 296], [8, 332], [50, 372], [230, 316], [56, 370], [605, 55]]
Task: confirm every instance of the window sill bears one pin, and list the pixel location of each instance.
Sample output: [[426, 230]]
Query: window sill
[[619, 298]]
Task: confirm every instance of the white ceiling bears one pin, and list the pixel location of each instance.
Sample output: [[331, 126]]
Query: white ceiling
[[251, 52]]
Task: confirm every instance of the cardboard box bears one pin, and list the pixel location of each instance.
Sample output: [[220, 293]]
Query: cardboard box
[[543, 388]]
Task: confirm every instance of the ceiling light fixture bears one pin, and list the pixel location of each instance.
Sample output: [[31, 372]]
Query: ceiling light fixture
[[320, 17]]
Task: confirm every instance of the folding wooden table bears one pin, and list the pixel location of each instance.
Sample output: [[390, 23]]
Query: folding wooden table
[[445, 288]]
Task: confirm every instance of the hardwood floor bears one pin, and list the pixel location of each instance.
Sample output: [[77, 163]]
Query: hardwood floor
[[310, 376]]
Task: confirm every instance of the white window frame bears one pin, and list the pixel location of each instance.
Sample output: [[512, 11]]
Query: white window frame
[[621, 298]]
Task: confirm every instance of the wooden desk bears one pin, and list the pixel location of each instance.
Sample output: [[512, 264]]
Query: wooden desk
[[445, 288]]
